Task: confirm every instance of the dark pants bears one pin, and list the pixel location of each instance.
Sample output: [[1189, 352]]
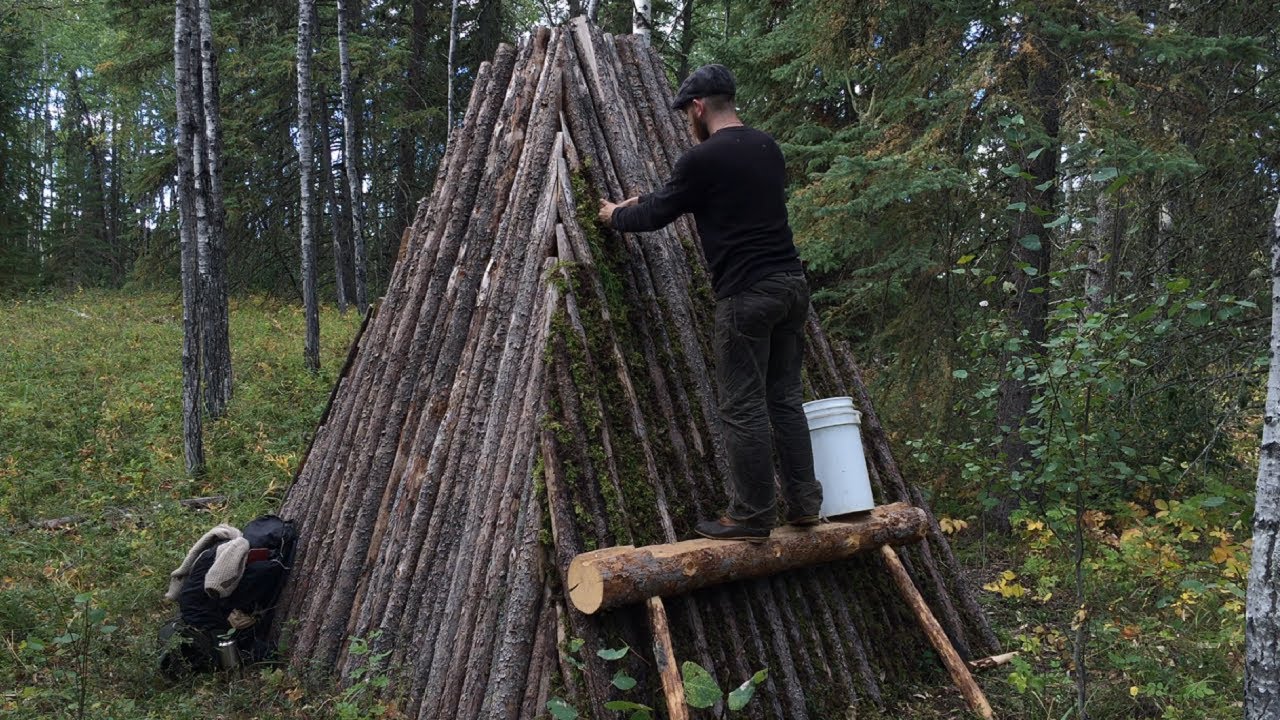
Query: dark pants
[[759, 354]]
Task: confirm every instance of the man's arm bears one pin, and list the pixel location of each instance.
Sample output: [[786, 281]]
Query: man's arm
[[680, 194]]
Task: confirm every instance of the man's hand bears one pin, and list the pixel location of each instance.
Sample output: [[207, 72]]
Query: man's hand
[[605, 216]]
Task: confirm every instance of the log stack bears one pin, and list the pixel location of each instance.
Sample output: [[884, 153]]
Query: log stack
[[532, 387]]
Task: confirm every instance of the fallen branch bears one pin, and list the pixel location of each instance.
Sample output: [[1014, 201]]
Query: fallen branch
[[203, 503], [995, 661]]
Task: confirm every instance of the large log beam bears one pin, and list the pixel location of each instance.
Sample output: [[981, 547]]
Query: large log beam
[[616, 576]]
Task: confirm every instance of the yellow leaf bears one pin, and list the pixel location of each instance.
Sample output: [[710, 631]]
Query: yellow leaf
[[1133, 691]]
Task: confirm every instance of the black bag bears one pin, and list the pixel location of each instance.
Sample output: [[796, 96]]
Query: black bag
[[189, 642]]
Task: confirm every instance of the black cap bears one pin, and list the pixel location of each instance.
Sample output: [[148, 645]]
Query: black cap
[[706, 81]]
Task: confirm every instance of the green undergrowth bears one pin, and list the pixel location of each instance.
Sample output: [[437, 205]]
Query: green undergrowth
[[90, 431]]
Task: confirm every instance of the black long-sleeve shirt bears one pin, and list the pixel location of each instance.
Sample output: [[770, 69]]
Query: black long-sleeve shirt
[[734, 184]]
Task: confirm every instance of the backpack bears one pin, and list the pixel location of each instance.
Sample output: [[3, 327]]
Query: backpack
[[189, 642]]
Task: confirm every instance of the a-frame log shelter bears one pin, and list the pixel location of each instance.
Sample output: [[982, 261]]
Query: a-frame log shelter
[[532, 388]]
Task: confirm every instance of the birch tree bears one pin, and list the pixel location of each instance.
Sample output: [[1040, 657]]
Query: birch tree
[[306, 162], [192, 444], [453, 42], [215, 326], [352, 151], [1262, 608]]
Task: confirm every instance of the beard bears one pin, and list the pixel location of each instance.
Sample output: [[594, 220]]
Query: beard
[[700, 129]]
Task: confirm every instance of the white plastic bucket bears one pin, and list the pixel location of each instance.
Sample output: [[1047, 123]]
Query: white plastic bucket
[[838, 460]]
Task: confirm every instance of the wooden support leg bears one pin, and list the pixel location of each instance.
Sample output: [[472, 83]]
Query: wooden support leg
[[665, 656], [959, 671]]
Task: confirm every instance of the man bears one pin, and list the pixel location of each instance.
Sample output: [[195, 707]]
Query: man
[[733, 182]]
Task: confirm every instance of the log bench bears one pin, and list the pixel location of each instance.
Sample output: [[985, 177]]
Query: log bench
[[617, 576]]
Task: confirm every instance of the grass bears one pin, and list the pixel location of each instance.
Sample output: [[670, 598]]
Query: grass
[[90, 428]]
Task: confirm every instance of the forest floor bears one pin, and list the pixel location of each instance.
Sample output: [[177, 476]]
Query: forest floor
[[90, 430]]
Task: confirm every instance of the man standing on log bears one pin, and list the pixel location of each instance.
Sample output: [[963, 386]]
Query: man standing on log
[[733, 182]]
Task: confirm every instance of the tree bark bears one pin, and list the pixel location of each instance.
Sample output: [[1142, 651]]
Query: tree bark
[[406, 190], [192, 442], [1262, 608], [306, 168], [215, 314], [687, 38], [618, 576], [1041, 71], [335, 211], [450, 69], [350, 159], [642, 20]]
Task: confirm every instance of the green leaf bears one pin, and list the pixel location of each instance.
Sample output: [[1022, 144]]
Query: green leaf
[[107, 629], [1044, 185], [1060, 220], [1034, 154], [959, 374], [83, 598], [625, 705], [1212, 502], [1030, 242], [623, 681], [742, 695], [618, 654], [966, 259], [575, 644], [700, 689], [1104, 174], [1013, 170], [1019, 206], [561, 710]]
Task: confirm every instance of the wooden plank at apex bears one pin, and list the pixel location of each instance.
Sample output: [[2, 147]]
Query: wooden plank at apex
[[611, 577]]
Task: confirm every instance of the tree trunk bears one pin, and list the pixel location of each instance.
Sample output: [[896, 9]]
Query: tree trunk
[[687, 38], [1099, 243], [192, 443], [453, 42], [626, 574], [331, 202], [1041, 73], [406, 194], [1262, 610], [642, 19], [215, 320], [350, 160], [306, 168]]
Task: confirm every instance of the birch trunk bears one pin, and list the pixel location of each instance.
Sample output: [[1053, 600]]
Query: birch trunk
[[1098, 244], [350, 160], [453, 42], [642, 19], [192, 443], [335, 211], [1262, 609], [215, 319], [306, 168]]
